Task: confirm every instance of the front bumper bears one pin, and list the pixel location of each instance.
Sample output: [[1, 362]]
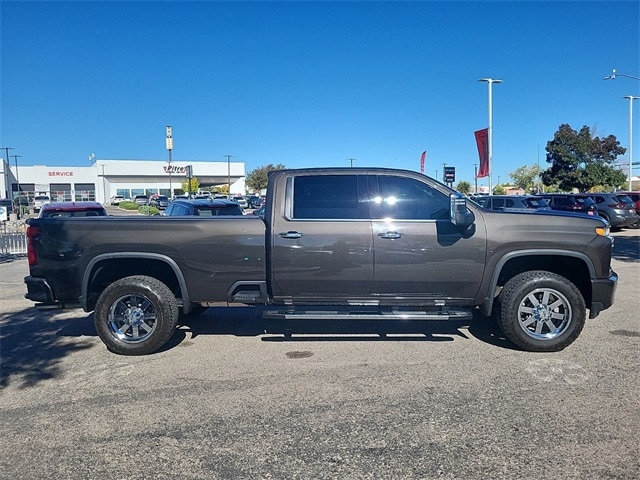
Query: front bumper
[[603, 292]]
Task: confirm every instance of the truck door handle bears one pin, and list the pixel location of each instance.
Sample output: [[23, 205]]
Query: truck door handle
[[390, 235], [291, 235]]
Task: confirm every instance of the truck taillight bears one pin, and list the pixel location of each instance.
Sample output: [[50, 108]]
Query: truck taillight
[[32, 254]]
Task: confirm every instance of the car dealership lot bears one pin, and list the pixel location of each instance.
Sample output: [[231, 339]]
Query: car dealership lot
[[235, 396]]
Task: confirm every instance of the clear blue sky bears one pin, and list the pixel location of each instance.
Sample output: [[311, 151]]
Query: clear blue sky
[[313, 83]]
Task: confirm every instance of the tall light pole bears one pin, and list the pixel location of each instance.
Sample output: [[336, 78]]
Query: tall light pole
[[490, 82], [475, 176], [631, 99], [169, 145], [229, 175]]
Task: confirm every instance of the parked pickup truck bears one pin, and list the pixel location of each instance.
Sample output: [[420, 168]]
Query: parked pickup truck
[[361, 243]]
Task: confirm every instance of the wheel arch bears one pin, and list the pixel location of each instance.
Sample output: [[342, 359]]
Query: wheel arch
[[575, 266], [105, 269]]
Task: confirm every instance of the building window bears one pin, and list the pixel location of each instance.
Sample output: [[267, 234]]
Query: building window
[[124, 192]]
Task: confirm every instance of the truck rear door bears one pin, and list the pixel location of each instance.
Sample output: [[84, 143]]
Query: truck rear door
[[321, 239]]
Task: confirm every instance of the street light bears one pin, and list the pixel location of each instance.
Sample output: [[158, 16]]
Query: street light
[[631, 99], [490, 82], [229, 175], [614, 75]]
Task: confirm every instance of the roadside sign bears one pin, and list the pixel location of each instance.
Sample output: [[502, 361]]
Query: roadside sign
[[449, 174]]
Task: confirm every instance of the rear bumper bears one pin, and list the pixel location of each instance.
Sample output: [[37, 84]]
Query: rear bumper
[[621, 220], [39, 290], [603, 293]]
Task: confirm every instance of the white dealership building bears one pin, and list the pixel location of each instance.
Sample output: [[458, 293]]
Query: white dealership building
[[105, 178]]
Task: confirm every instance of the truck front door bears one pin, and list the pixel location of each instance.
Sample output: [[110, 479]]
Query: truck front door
[[321, 245], [418, 252]]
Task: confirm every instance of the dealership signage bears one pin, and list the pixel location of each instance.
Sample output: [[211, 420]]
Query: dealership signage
[[175, 169]]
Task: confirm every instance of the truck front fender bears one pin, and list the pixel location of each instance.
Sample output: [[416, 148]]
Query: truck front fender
[[519, 261]]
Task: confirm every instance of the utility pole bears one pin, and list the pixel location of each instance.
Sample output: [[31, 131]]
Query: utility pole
[[351, 160], [169, 145], [15, 157], [6, 152]]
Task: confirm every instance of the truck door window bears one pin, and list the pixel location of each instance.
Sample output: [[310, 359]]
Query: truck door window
[[326, 197], [403, 198]]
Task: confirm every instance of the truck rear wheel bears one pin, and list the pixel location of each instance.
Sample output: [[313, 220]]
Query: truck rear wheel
[[541, 312], [136, 315]]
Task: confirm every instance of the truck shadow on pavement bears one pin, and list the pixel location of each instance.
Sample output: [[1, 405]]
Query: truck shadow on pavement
[[248, 321], [32, 348], [627, 249], [34, 344]]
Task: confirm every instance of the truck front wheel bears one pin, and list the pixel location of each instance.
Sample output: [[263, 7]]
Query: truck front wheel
[[541, 312], [136, 315]]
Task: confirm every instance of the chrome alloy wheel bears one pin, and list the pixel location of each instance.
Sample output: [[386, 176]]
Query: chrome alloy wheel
[[544, 314], [132, 318]]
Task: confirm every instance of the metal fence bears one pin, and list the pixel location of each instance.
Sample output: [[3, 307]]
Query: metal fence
[[13, 244], [13, 238]]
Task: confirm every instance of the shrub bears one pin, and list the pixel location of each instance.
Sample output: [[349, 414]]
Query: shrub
[[128, 205], [147, 210]]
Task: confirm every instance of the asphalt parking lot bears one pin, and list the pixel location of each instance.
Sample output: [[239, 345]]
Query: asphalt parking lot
[[234, 396]]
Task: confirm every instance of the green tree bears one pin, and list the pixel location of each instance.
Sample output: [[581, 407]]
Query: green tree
[[499, 190], [463, 187], [525, 177], [257, 179], [582, 160], [191, 188]]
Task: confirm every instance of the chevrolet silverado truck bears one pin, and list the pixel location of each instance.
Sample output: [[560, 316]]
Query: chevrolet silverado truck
[[354, 243]]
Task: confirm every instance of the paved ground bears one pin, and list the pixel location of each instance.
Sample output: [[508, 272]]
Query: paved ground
[[232, 396]]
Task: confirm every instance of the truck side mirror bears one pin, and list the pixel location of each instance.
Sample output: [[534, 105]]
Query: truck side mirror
[[460, 214]]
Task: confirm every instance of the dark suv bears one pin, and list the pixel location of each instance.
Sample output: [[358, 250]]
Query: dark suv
[[617, 208], [570, 202], [72, 209], [203, 208], [512, 202], [160, 202]]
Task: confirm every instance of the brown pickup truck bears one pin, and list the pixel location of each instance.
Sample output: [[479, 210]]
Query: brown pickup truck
[[366, 243]]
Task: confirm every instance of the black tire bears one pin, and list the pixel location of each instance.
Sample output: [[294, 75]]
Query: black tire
[[540, 311], [136, 315]]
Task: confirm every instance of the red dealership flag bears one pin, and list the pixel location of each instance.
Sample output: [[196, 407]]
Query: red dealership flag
[[482, 141], [422, 159]]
